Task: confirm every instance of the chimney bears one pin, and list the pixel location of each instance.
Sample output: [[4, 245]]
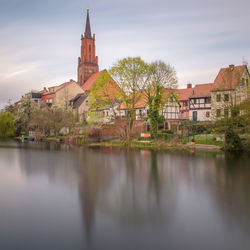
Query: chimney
[[189, 85], [231, 67]]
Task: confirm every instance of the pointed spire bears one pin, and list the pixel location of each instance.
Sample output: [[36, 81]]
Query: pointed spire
[[87, 28]]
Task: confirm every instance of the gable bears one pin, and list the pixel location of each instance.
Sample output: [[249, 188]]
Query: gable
[[67, 92], [228, 78]]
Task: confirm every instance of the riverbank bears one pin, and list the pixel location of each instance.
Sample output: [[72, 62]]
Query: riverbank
[[157, 145], [137, 144]]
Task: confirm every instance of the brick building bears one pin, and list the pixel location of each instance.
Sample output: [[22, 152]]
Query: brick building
[[88, 62]]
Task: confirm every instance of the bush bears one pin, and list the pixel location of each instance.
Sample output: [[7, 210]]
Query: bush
[[232, 141], [166, 131], [7, 128]]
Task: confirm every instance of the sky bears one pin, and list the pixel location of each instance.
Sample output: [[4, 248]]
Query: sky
[[40, 39]]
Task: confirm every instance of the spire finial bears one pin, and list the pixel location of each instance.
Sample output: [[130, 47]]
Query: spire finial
[[87, 29]]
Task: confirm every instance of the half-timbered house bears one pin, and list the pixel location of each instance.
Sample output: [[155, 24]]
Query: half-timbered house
[[170, 110], [200, 103], [184, 95]]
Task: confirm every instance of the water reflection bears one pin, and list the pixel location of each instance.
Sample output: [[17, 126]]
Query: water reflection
[[137, 199]]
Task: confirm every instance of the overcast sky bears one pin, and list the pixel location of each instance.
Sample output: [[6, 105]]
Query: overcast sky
[[40, 39]]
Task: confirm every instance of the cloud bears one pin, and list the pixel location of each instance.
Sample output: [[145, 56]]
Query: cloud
[[40, 40]]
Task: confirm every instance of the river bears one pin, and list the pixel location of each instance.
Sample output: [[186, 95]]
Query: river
[[56, 196]]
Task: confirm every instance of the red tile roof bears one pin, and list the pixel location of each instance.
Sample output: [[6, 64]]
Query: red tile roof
[[142, 100], [88, 84], [202, 90], [62, 85], [184, 94], [228, 79]]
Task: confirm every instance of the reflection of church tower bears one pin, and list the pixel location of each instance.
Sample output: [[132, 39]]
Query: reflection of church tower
[[88, 62]]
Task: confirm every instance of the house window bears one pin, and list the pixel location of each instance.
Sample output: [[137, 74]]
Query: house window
[[243, 81], [195, 101], [107, 113], [226, 97], [140, 112], [207, 114], [184, 104], [208, 100], [218, 97], [218, 113], [226, 112]]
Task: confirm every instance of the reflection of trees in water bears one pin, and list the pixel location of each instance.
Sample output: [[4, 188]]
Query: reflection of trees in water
[[231, 189], [93, 175], [226, 179], [133, 195], [58, 162], [135, 188]]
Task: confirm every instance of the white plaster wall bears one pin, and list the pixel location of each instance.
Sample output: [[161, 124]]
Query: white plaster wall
[[201, 115]]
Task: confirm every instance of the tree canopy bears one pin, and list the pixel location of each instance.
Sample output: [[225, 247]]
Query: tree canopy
[[7, 128]]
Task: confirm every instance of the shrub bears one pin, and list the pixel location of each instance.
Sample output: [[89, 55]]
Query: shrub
[[232, 141], [166, 131]]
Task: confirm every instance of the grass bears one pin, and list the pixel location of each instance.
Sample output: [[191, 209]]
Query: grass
[[141, 145], [209, 139]]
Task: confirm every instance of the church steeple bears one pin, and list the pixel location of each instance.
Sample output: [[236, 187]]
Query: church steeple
[[88, 62], [87, 33]]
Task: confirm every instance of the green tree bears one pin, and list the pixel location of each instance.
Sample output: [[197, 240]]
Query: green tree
[[161, 77], [131, 75], [104, 94], [7, 128], [25, 110]]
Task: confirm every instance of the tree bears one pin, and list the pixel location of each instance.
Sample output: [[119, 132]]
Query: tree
[[161, 77], [7, 128], [25, 110], [131, 75], [40, 121], [47, 120], [245, 110], [104, 94], [10, 107]]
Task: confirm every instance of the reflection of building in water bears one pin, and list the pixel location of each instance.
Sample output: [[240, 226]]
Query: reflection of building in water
[[136, 189], [49, 159], [230, 187], [132, 196]]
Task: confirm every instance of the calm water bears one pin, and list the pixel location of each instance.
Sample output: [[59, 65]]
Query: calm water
[[56, 197]]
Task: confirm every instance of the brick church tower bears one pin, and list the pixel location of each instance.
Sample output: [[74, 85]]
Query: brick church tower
[[88, 62]]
